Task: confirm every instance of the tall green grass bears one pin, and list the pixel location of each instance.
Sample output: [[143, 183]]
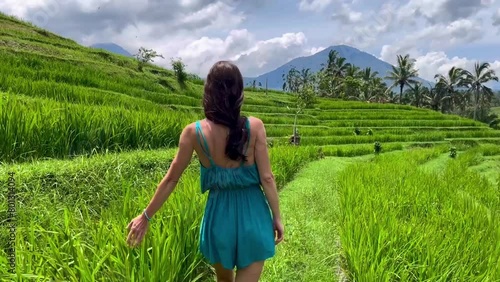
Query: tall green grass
[[401, 223], [39, 128], [72, 216]]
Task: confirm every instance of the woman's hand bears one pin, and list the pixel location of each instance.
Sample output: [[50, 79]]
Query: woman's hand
[[137, 229], [278, 230]]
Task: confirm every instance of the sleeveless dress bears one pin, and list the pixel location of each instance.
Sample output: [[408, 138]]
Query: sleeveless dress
[[237, 227]]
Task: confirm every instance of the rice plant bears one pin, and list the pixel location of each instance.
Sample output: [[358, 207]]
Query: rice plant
[[402, 223]]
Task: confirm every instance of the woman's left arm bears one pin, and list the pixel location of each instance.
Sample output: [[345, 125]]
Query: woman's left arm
[[138, 225]]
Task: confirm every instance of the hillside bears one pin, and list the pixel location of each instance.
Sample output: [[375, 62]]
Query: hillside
[[313, 62], [86, 137]]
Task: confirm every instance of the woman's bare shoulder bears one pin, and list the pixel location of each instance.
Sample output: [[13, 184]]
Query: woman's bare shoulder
[[255, 123]]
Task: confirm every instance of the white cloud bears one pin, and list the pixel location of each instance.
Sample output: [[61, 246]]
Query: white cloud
[[437, 36], [216, 15], [314, 5], [12, 6], [346, 15], [443, 10], [252, 56], [434, 63], [315, 50]]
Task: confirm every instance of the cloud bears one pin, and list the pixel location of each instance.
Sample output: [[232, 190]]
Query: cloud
[[496, 18], [346, 15], [252, 56], [368, 28], [265, 55], [434, 63], [215, 15], [437, 36], [315, 50], [314, 5], [442, 11], [78, 18]]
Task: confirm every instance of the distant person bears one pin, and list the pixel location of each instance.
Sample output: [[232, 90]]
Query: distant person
[[242, 223]]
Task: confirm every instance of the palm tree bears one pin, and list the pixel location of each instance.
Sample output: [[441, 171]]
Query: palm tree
[[306, 77], [376, 88], [419, 95], [371, 84], [450, 83], [367, 74], [332, 57], [340, 67], [404, 74], [476, 81], [326, 76], [352, 70]]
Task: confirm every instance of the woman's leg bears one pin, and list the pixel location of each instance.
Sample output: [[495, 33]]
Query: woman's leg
[[223, 274], [250, 273]]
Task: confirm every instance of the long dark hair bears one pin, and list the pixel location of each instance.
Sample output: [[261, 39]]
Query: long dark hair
[[222, 103]]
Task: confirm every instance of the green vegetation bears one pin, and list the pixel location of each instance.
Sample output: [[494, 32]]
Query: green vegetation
[[400, 222], [89, 135], [91, 202], [461, 92], [309, 252]]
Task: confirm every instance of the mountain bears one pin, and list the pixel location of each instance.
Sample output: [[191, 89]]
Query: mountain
[[112, 47], [353, 56]]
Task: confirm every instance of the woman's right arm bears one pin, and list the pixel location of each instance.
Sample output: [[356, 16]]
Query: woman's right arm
[[267, 177]]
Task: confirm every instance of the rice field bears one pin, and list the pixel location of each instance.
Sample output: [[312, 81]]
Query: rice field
[[89, 137]]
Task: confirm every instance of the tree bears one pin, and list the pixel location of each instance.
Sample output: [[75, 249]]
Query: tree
[[418, 95], [476, 81], [352, 87], [145, 56], [403, 74], [372, 87], [305, 98], [179, 70], [331, 75], [352, 71], [291, 81], [367, 74], [450, 83], [376, 90]]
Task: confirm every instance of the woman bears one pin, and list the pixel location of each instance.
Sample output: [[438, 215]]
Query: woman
[[242, 223]]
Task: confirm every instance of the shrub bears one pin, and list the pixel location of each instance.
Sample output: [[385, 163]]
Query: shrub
[[377, 148], [179, 70], [453, 152]]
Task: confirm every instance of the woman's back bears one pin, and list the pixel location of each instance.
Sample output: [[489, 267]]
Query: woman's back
[[218, 172]]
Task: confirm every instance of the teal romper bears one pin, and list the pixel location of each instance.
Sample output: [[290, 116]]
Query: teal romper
[[237, 227]]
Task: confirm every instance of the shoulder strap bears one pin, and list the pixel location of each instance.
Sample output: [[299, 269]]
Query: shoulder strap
[[204, 146]]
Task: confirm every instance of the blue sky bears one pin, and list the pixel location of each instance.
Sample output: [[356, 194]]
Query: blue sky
[[262, 35]]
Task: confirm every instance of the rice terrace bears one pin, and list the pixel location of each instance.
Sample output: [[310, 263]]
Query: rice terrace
[[374, 184]]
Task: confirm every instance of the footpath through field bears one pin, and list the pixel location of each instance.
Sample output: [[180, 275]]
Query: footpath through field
[[308, 203]]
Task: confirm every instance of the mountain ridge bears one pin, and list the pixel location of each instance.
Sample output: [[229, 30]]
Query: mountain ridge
[[313, 62]]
